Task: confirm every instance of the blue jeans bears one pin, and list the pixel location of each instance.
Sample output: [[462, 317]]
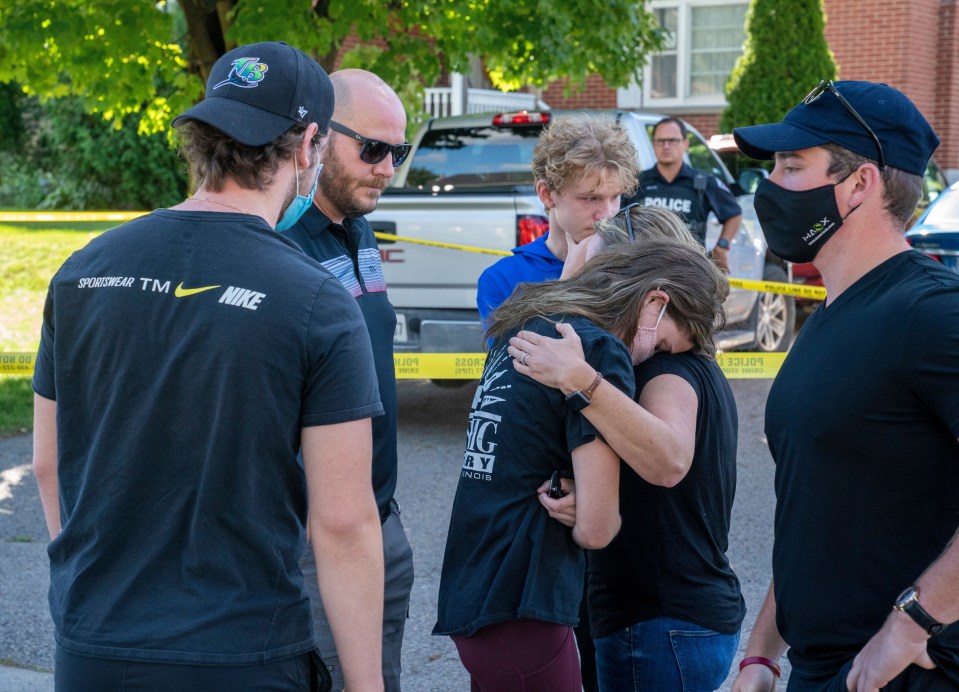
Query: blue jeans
[[664, 654]]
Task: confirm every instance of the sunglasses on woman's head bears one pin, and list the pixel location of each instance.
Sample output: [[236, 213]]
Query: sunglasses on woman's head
[[627, 213], [373, 150]]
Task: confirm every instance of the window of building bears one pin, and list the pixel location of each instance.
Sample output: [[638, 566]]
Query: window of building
[[704, 40]]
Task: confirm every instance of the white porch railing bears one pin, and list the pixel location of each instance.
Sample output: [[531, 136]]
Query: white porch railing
[[456, 100]]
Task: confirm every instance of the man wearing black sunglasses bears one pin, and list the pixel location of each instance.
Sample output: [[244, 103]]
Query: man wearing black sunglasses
[[863, 418], [366, 143]]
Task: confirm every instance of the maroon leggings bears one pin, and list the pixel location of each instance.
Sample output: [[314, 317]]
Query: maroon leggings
[[521, 656]]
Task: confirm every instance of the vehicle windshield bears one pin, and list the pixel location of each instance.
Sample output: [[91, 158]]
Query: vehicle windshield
[[945, 212], [473, 157]]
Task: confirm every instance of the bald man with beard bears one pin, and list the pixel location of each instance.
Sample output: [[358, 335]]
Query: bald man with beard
[[365, 144]]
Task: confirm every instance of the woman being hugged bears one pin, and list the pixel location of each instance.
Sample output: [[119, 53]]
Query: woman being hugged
[[512, 576], [665, 606]]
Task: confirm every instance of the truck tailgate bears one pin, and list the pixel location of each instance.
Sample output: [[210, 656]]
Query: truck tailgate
[[422, 276]]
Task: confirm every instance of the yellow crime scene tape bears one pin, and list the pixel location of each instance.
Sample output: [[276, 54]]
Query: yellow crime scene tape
[[469, 366], [448, 246], [798, 290], [16, 363], [445, 366], [65, 216]]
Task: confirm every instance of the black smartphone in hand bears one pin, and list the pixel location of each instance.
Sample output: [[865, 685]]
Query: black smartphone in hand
[[556, 486]]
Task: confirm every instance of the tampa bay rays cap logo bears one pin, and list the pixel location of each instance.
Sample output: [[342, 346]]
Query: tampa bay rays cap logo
[[246, 73]]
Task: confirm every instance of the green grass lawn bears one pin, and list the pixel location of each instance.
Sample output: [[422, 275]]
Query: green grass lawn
[[31, 254]]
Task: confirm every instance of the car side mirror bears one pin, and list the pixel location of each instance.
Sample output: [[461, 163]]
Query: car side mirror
[[749, 178]]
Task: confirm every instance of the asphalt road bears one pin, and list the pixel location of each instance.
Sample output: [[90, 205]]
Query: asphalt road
[[432, 426]]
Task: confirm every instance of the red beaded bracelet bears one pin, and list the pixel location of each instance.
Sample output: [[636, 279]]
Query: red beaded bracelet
[[762, 661]]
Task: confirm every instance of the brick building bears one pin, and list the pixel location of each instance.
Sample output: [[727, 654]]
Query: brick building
[[913, 46]]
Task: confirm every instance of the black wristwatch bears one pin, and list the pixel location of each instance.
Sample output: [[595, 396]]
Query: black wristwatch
[[582, 398], [722, 243], [908, 602]]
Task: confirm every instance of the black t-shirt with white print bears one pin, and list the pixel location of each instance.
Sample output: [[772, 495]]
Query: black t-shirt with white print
[[505, 557]]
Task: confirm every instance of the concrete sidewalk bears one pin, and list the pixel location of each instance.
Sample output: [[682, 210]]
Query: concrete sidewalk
[[26, 631], [20, 680]]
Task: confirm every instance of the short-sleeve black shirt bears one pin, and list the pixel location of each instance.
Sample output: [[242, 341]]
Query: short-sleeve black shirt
[[505, 557], [669, 559], [349, 251], [185, 351], [862, 422]]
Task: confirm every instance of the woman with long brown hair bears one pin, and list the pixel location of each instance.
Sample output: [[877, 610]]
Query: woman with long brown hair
[[512, 578], [665, 607]]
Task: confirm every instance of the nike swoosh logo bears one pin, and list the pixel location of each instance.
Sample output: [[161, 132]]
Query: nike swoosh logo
[[181, 292]]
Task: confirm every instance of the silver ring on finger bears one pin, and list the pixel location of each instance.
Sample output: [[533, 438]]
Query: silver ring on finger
[[523, 359]]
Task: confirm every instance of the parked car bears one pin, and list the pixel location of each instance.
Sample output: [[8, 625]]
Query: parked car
[[468, 182], [747, 172], [936, 232]]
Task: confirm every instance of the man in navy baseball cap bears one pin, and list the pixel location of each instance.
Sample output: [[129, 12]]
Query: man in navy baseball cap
[[863, 417], [873, 120]]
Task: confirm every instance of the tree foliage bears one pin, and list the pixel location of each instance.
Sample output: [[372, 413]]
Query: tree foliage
[[129, 58], [70, 159], [118, 56], [785, 55]]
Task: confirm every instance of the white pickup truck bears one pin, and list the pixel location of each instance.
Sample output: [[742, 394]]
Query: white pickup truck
[[469, 182]]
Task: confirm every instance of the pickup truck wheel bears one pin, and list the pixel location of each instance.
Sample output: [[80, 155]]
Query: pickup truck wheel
[[773, 319]]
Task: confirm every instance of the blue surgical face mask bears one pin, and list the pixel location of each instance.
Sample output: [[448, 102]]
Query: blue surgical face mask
[[300, 204]]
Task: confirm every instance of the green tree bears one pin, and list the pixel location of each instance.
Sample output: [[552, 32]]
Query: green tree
[[71, 159], [11, 121], [785, 55], [128, 58]]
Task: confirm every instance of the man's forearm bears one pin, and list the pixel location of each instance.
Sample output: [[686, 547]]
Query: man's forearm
[[731, 227], [349, 567], [939, 585], [348, 545], [765, 640], [45, 460], [763, 651]]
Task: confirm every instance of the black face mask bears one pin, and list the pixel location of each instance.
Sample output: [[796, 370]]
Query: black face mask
[[797, 223]]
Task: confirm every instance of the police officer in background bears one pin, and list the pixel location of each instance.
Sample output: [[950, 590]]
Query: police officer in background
[[674, 184]]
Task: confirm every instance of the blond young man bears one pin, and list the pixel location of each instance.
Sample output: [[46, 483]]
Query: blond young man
[[583, 165]]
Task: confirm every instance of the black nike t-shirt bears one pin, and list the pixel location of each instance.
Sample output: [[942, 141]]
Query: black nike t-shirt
[[185, 351]]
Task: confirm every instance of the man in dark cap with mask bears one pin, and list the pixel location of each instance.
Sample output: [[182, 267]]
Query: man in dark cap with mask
[[185, 359], [863, 419]]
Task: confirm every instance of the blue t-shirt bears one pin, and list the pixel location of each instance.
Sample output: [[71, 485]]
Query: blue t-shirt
[[349, 251], [505, 557], [530, 263], [185, 351]]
